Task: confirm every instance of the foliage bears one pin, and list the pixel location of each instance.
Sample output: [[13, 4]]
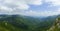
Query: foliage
[[25, 23]]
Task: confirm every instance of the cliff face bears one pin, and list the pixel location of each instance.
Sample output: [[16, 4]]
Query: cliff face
[[55, 26]]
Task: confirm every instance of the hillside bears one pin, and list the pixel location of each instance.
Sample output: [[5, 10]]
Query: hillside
[[56, 25], [25, 23]]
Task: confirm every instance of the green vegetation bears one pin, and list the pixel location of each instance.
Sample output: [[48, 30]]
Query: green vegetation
[[25, 23]]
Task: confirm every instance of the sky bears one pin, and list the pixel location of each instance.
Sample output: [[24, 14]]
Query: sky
[[30, 7]]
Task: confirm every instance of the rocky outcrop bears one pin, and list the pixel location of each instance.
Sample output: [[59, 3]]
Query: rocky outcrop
[[56, 25]]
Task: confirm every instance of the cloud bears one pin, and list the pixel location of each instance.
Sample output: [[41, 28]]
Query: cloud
[[4, 8], [35, 2], [43, 13], [17, 6], [22, 7], [53, 2], [20, 4]]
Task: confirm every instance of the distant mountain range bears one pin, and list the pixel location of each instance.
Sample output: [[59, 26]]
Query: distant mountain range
[[25, 23]]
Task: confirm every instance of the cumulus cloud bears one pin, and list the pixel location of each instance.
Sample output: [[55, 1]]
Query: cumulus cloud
[[53, 2], [4, 8], [20, 4], [16, 6], [35, 2], [19, 7], [43, 13]]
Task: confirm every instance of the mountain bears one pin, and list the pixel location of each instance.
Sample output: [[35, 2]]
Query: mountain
[[21, 22], [56, 25], [25, 23]]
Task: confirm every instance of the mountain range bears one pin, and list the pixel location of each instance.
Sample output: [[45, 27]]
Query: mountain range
[[26, 23]]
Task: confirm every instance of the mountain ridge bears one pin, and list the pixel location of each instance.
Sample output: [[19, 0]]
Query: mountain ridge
[[26, 23]]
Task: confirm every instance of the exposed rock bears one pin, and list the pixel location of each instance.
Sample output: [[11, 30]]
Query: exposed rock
[[56, 25]]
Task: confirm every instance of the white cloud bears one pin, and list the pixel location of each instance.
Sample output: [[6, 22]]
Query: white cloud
[[16, 6], [43, 13], [35, 2], [5, 9], [21, 4], [19, 7], [18, 3], [53, 2]]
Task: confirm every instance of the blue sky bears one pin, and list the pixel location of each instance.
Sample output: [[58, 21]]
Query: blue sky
[[30, 7]]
